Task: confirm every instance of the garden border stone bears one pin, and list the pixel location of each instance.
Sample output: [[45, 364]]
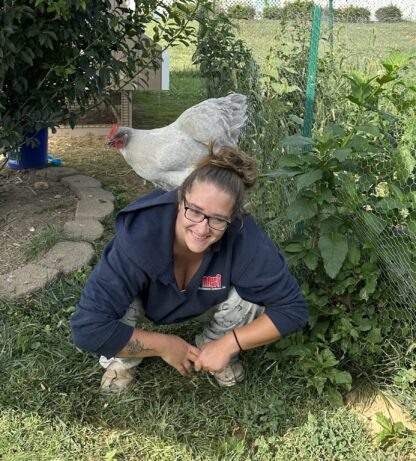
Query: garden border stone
[[94, 205]]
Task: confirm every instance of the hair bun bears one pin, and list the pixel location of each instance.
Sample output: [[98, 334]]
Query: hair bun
[[231, 158]]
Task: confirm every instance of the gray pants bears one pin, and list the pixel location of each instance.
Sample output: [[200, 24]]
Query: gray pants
[[219, 320]]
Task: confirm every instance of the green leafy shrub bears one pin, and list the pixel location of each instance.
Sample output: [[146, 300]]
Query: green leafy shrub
[[225, 62], [273, 12], [352, 14], [389, 14], [344, 177], [297, 10], [242, 11], [42, 79]]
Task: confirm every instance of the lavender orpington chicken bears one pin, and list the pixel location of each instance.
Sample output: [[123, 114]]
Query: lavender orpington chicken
[[165, 156]]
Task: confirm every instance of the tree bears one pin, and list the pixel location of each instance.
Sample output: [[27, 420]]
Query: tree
[[58, 53]]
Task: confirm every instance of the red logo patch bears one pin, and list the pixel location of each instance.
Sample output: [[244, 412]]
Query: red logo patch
[[209, 281]]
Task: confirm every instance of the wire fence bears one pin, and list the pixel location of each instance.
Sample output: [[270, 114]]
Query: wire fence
[[383, 201], [259, 7]]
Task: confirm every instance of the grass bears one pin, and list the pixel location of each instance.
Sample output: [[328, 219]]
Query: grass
[[50, 405], [44, 241], [51, 409]]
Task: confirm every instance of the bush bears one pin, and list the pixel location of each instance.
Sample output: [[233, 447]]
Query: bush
[[273, 12], [389, 14], [300, 9], [352, 14], [242, 11]]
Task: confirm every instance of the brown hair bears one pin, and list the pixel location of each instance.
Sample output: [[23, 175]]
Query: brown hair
[[230, 169]]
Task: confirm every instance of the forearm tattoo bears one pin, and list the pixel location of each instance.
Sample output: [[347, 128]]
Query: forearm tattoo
[[135, 346]]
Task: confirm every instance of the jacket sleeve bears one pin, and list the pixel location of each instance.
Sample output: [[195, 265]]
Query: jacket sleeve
[[109, 291], [265, 279]]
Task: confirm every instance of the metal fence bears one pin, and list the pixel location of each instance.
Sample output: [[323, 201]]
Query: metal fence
[[407, 7]]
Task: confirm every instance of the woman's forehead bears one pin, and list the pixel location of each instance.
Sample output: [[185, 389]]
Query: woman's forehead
[[210, 198]]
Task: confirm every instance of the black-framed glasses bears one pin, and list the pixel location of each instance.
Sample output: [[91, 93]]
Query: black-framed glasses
[[197, 216]]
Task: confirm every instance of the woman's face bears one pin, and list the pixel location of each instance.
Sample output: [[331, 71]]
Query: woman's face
[[205, 198]]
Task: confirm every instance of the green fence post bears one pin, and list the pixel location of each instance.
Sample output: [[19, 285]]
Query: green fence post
[[312, 71], [311, 83], [331, 24]]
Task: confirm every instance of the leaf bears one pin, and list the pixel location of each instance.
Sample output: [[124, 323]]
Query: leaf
[[289, 160], [373, 222], [396, 60], [311, 261], [307, 179], [369, 288], [297, 141], [354, 253], [282, 173], [384, 422], [296, 119], [389, 203], [343, 377], [302, 209], [334, 397], [369, 129], [374, 336], [334, 249], [342, 154], [293, 248]]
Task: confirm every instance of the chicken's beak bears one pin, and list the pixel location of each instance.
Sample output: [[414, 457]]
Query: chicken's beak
[[118, 142]]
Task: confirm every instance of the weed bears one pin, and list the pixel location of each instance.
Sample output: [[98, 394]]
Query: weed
[[44, 241]]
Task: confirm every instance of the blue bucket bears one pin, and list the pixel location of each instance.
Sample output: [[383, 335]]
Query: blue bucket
[[31, 157]]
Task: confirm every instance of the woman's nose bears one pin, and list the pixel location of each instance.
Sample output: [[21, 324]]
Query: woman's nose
[[203, 225]]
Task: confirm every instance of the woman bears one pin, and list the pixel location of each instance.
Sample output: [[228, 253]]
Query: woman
[[182, 254]]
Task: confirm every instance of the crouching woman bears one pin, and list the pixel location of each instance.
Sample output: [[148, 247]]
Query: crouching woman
[[188, 253]]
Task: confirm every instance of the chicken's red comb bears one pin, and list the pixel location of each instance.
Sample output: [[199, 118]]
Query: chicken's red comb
[[114, 128]]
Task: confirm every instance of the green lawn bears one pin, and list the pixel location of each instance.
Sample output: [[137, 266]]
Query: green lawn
[[51, 409], [50, 406]]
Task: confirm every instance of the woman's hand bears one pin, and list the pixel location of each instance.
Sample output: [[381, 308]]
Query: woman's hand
[[215, 355], [179, 354]]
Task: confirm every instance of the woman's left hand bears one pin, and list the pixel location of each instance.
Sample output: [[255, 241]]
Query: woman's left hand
[[215, 355]]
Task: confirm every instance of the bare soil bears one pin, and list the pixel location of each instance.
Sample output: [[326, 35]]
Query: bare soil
[[367, 409], [29, 204], [26, 208]]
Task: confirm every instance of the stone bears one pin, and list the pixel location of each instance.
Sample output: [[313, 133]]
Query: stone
[[80, 181], [68, 256], [95, 192], [88, 229], [55, 173], [93, 208], [26, 280], [41, 185]]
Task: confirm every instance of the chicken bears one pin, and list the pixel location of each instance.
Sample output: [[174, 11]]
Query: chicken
[[165, 156]]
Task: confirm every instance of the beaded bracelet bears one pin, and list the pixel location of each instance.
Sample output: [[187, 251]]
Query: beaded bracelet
[[237, 341]]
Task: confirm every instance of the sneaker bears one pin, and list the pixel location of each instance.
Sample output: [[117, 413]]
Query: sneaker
[[232, 374], [117, 381]]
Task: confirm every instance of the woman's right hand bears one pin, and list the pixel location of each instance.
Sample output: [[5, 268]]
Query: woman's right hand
[[179, 354]]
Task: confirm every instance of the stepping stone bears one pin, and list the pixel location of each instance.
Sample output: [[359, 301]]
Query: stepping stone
[[89, 229], [25, 280], [94, 208], [56, 173], [95, 192], [68, 256], [80, 181]]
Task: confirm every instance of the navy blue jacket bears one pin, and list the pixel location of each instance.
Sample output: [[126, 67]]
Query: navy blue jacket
[[139, 262]]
